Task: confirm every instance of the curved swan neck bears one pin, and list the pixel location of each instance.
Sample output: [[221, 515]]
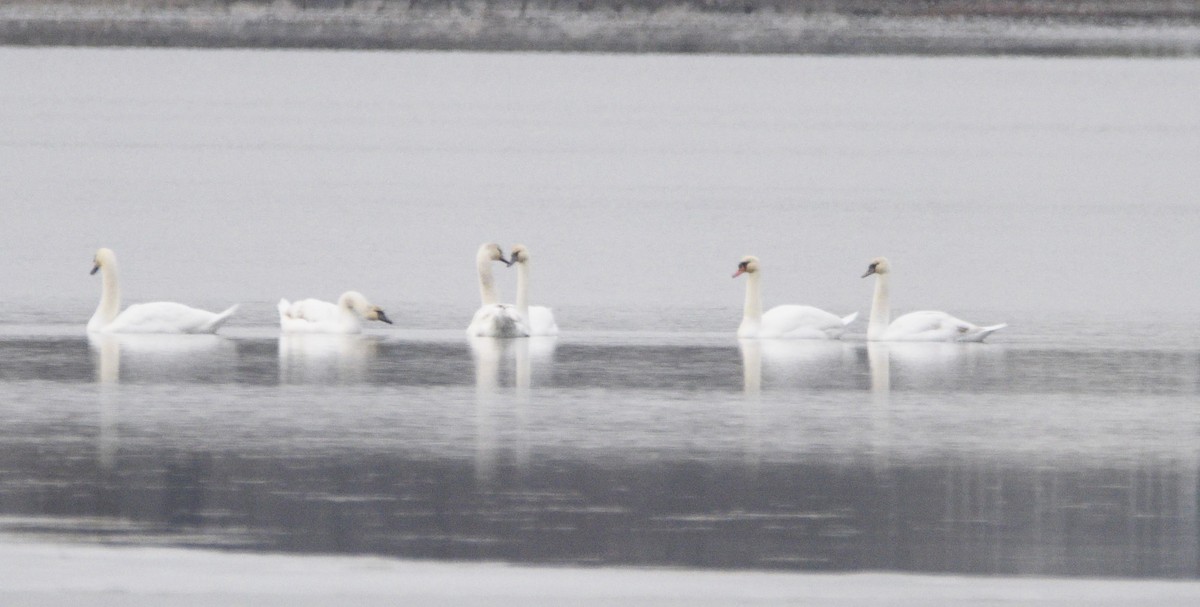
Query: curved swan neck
[[523, 288], [881, 311], [487, 285], [110, 297], [352, 303], [752, 309]]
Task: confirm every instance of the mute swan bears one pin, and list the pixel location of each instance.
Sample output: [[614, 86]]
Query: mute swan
[[540, 318], [156, 317], [494, 319], [915, 326], [787, 321], [316, 316]]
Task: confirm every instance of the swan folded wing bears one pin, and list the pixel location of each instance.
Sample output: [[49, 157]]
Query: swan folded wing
[[800, 322], [167, 317], [929, 326], [310, 310], [541, 321]]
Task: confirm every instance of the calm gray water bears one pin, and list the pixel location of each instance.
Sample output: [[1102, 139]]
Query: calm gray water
[[1055, 195]]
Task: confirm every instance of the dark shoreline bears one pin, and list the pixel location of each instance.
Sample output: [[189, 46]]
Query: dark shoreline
[[513, 26]]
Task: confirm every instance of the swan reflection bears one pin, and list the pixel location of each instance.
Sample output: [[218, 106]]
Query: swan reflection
[[930, 366], [807, 363], [497, 360], [160, 357], [325, 358]]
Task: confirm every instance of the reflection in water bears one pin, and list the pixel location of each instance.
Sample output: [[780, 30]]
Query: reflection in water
[[107, 352], [793, 363], [325, 358], [161, 358], [963, 459], [490, 355], [751, 351], [124, 358]]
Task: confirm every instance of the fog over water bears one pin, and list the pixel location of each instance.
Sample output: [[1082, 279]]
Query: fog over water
[[1058, 196], [1005, 185]]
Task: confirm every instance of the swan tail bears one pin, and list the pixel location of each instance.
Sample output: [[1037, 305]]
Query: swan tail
[[283, 306], [220, 319], [846, 320]]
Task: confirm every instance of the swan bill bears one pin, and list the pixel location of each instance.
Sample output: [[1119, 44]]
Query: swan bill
[[380, 316], [95, 268]]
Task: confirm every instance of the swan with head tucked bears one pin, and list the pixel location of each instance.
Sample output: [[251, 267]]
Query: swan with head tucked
[[786, 321], [316, 316], [914, 326], [156, 317], [540, 318], [494, 319]]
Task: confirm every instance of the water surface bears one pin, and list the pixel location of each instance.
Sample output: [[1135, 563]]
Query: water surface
[[1054, 195]]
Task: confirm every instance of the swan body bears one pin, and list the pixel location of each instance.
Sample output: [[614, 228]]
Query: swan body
[[539, 318], [786, 321], [926, 325], [316, 316], [494, 319], [154, 317]]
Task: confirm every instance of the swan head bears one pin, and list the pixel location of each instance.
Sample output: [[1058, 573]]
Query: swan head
[[103, 258], [376, 313], [358, 302], [748, 265], [519, 254], [492, 252], [879, 265]]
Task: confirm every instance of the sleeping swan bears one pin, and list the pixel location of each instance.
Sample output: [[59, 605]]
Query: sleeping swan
[[156, 317], [540, 318], [316, 316], [787, 321], [494, 319], [914, 326]]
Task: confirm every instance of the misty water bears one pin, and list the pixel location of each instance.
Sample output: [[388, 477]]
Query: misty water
[[1058, 196]]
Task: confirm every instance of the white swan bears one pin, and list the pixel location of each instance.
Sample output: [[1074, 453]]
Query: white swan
[[494, 319], [787, 321], [540, 318], [316, 316], [156, 317], [915, 326]]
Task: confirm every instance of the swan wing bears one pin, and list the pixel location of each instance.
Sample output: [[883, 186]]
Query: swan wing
[[928, 325], [801, 322], [316, 316], [541, 321], [167, 317], [311, 310]]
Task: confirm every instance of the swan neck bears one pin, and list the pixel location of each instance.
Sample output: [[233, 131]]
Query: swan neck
[[110, 297], [881, 311], [752, 310], [523, 288], [487, 285]]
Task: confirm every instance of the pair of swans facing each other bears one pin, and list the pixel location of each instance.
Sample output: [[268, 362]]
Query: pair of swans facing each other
[[495, 319], [807, 322]]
